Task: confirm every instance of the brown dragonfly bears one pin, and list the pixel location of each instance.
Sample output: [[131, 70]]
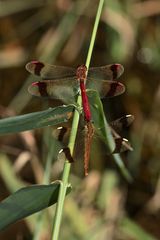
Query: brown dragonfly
[[116, 126]]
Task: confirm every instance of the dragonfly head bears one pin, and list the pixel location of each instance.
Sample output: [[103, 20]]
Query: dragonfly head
[[81, 72]]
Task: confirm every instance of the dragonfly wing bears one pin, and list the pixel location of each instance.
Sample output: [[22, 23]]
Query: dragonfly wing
[[47, 71], [106, 88], [122, 122], [64, 89], [108, 72], [122, 145]]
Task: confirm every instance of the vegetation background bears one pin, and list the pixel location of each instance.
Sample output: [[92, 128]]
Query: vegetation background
[[103, 205]]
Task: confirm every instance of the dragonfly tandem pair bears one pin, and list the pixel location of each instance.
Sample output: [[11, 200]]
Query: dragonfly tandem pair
[[63, 83]]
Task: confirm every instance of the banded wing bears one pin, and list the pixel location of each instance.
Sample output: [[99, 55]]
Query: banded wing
[[64, 89], [47, 71], [107, 72], [122, 122], [105, 88], [60, 82], [122, 144], [103, 79]]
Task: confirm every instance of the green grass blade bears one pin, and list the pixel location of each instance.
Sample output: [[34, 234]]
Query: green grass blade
[[103, 129], [49, 117], [27, 201], [99, 120]]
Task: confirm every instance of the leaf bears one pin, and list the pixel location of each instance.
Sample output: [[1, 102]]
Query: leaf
[[49, 117], [99, 120], [27, 201], [104, 130]]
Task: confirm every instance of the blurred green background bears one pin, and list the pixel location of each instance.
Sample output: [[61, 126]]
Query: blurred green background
[[103, 205]]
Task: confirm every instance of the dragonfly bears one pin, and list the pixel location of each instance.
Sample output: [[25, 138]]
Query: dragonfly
[[65, 83], [116, 126]]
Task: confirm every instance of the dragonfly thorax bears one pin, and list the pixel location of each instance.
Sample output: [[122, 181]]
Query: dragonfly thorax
[[81, 72]]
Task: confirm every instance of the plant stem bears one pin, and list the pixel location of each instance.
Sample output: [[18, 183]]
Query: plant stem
[[67, 164], [99, 10], [65, 177]]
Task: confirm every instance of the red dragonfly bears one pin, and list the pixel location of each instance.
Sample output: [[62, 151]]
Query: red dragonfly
[[65, 83]]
